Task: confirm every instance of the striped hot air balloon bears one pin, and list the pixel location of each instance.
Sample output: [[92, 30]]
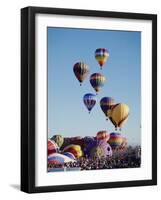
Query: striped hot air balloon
[[119, 114], [74, 149], [115, 140], [97, 81], [81, 71], [106, 104], [89, 101], [57, 158], [101, 56], [103, 135], [52, 147]]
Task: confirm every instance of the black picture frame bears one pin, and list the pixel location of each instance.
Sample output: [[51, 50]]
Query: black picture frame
[[28, 98]]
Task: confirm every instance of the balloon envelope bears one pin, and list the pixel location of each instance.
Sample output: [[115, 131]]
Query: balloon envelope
[[103, 135], [74, 149], [120, 114], [98, 149], [115, 139], [97, 81], [101, 55], [106, 104], [57, 158], [89, 101], [52, 147], [70, 155], [81, 71], [58, 139]]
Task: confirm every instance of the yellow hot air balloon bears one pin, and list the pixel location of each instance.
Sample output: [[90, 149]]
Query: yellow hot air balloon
[[74, 149], [119, 114]]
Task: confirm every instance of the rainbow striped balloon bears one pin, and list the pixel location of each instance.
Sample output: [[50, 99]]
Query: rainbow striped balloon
[[115, 140], [52, 147]]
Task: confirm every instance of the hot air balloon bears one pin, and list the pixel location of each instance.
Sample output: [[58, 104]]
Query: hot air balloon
[[98, 149], [57, 158], [81, 71], [106, 105], [74, 149], [70, 155], [97, 81], [58, 139], [101, 56], [89, 101], [52, 147], [119, 114], [103, 135], [115, 140]]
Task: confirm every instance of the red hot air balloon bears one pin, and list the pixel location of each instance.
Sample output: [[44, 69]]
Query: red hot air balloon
[[103, 135], [52, 147]]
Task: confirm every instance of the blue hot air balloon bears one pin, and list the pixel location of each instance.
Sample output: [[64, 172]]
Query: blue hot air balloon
[[106, 104], [89, 101], [97, 81]]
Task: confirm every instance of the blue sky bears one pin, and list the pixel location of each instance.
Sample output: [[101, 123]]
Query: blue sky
[[67, 114]]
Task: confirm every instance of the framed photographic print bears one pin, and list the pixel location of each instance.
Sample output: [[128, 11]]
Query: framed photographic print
[[88, 99]]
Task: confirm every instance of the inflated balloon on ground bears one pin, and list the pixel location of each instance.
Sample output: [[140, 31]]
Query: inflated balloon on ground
[[103, 135], [115, 139], [58, 139], [57, 158], [52, 147], [98, 149], [69, 154], [74, 149]]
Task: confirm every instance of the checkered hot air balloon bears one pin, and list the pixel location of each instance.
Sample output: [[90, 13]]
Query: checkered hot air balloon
[[81, 71], [97, 81], [89, 101], [101, 56]]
